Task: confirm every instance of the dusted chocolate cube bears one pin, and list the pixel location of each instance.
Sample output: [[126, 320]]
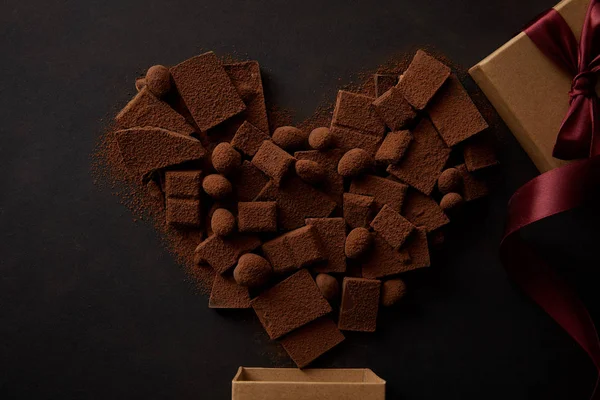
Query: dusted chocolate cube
[[290, 304], [384, 82], [358, 210], [248, 139], [183, 212], [259, 216], [422, 79], [332, 234], [392, 226], [226, 293], [356, 111], [349, 138], [305, 245], [307, 343], [273, 161], [479, 154], [248, 181], [184, 184], [360, 304], [393, 108], [222, 253], [385, 191], [394, 147]]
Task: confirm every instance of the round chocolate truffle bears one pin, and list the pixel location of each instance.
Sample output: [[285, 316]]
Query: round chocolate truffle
[[320, 138], [451, 201], [289, 137], [449, 181], [140, 83], [222, 222], [216, 186], [328, 285], [246, 91], [310, 171], [358, 242], [158, 80], [252, 271], [392, 291], [225, 158], [354, 163]]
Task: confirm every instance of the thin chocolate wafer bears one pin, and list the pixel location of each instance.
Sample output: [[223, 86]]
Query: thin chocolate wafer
[[394, 147], [348, 138], [392, 226], [248, 139]]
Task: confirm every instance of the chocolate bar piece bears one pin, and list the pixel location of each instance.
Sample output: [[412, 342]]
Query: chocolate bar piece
[[290, 304], [222, 253], [145, 109], [332, 232], [356, 111], [392, 226], [393, 108], [383, 260], [424, 160], [279, 254], [305, 245], [306, 344], [360, 304], [348, 138], [394, 147], [478, 154], [333, 184], [147, 149], [273, 161], [383, 190], [207, 90], [183, 212], [259, 216], [358, 210], [423, 211], [384, 82], [296, 201], [422, 79], [226, 293], [246, 78], [248, 181], [453, 113], [184, 184], [248, 139], [473, 187]]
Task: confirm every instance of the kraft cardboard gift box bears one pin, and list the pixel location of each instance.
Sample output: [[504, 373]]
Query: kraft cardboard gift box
[[528, 90], [307, 384]]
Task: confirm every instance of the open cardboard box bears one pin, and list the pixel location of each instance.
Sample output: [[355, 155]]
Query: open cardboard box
[[528, 90], [305, 384]]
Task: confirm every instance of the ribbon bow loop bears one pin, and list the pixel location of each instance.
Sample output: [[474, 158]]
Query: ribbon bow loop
[[584, 84]]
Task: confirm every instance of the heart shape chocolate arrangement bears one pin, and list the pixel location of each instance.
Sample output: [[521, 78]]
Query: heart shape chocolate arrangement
[[279, 220]]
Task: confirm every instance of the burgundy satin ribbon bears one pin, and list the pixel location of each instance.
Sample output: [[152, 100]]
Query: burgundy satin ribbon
[[566, 187]]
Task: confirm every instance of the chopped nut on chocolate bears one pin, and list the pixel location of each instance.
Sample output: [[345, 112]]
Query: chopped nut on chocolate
[[289, 138], [422, 79], [248, 139], [259, 216], [222, 222], [393, 108], [252, 271], [273, 161], [358, 243], [225, 158], [394, 147], [320, 138], [354, 163], [216, 186], [360, 304]]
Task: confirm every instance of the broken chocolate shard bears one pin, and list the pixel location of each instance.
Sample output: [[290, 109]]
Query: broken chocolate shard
[[290, 304], [422, 79], [453, 113], [306, 344], [147, 149], [145, 109], [207, 90], [424, 160]]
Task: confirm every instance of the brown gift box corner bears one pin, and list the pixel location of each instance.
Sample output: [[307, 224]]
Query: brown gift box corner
[[529, 91], [297, 384]]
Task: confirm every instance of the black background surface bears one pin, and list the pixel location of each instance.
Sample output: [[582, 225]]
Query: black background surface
[[93, 306]]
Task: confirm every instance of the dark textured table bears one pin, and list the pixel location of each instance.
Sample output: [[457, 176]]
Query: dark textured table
[[93, 306]]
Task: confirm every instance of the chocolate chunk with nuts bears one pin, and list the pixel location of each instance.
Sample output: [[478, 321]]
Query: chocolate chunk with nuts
[[290, 304], [358, 243], [252, 271], [354, 163], [225, 158]]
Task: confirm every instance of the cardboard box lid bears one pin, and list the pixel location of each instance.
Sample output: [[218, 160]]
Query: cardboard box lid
[[528, 90], [292, 383]]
